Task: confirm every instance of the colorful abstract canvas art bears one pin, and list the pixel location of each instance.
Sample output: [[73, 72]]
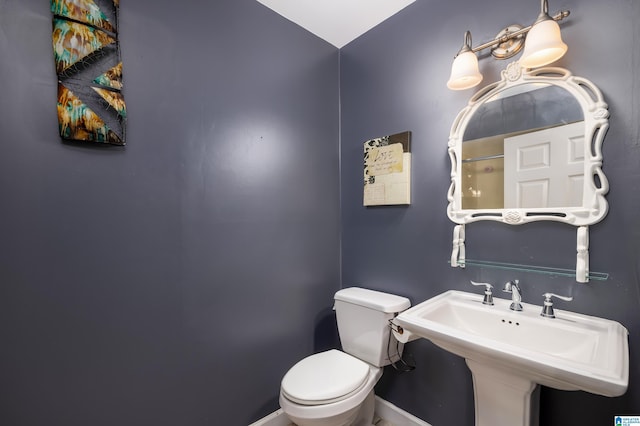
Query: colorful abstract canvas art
[[91, 106]]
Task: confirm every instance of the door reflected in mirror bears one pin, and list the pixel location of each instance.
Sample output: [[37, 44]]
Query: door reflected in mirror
[[524, 148]]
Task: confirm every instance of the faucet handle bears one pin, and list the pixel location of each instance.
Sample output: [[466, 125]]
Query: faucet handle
[[488, 295], [547, 308]]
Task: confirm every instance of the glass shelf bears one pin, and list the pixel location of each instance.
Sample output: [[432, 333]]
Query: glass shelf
[[601, 276]]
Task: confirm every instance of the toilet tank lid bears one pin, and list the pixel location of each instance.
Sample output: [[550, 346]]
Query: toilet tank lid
[[383, 302]]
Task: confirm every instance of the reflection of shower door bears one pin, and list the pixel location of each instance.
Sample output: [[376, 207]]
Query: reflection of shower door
[[545, 168]]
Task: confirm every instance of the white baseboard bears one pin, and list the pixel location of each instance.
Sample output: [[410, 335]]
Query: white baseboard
[[395, 415], [277, 418], [384, 409]]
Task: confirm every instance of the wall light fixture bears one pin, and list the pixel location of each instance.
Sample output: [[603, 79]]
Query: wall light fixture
[[542, 45]]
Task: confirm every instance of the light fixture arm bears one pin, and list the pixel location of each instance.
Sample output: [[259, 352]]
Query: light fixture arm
[[467, 41], [557, 17], [466, 44], [544, 11]]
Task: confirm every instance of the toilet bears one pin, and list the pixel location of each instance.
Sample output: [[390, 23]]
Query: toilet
[[335, 388]]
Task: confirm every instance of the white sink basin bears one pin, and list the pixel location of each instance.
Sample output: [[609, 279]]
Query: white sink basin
[[569, 352]]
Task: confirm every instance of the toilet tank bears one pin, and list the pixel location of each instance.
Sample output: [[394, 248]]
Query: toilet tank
[[363, 324]]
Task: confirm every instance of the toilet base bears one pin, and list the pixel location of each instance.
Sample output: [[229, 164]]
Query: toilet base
[[367, 411], [361, 415]]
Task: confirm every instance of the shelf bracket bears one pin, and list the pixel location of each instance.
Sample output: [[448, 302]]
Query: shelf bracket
[[582, 258], [458, 251]]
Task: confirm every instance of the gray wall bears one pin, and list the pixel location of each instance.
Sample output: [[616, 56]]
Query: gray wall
[[172, 282], [393, 79]]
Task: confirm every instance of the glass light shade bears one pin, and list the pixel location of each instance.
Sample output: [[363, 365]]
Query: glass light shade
[[464, 72], [543, 45]]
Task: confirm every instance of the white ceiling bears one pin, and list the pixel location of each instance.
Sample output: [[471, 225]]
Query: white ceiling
[[337, 21]]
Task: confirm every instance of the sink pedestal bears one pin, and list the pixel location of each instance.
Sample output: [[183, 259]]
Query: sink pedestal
[[502, 397]]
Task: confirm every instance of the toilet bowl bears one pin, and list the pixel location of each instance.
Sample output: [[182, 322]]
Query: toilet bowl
[[335, 388], [330, 388]]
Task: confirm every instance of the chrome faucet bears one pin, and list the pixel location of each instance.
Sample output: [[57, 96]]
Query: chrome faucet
[[547, 309], [488, 295], [516, 294]]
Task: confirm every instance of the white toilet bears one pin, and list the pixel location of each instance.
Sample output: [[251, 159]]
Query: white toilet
[[335, 388]]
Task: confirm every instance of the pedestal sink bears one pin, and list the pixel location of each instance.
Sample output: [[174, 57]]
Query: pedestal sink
[[510, 353]]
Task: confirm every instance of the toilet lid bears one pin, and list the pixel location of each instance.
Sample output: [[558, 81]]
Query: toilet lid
[[324, 377]]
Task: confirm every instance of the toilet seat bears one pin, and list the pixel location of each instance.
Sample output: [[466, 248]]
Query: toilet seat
[[324, 378]]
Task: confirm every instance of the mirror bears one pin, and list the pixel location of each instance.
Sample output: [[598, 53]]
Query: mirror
[[528, 123], [528, 148]]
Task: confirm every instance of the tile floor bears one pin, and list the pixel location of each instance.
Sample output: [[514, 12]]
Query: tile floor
[[382, 422]]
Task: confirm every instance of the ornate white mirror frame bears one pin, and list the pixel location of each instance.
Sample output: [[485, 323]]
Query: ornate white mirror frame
[[594, 205]]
